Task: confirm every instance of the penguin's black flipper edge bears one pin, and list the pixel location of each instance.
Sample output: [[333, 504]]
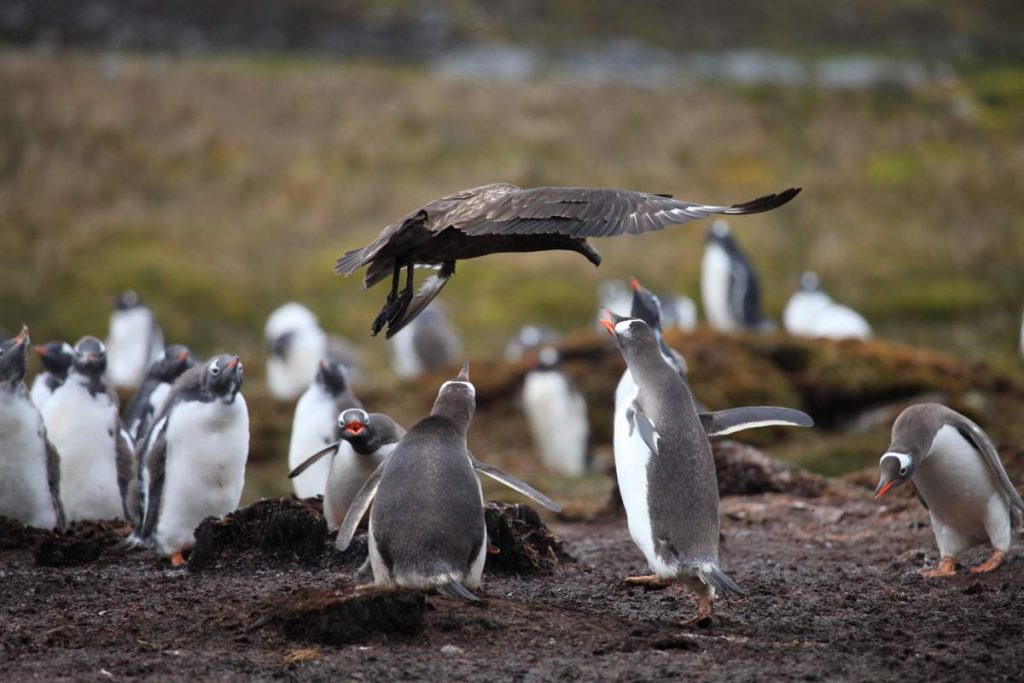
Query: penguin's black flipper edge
[[974, 435], [515, 484], [454, 589], [639, 421], [357, 509], [723, 422], [308, 462]]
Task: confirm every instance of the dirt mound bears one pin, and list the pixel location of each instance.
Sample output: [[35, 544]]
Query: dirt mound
[[524, 543], [743, 471], [81, 543], [340, 618]]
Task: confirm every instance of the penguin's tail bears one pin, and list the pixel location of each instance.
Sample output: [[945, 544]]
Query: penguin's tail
[[135, 541], [453, 589], [711, 575]]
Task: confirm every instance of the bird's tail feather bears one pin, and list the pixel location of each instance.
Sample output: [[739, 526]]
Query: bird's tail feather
[[453, 589], [766, 203], [716, 578], [350, 262]]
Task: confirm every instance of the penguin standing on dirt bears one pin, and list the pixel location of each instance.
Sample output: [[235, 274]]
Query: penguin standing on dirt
[[810, 312], [135, 340], [315, 425], [729, 284], [556, 413], [195, 456], [155, 389], [956, 471], [29, 464], [668, 483], [97, 459], [428, 344], [427, 527], [297, 344], [57, 358], [365, 441]]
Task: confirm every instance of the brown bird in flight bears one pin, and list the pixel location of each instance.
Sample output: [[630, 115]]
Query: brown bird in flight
[[504, 218]]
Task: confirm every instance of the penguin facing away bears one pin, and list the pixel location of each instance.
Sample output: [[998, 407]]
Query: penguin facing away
[[427, 527], [956, 471], [297, 344], [668, 486], [729, 286], [135, 340], [97, 458], [29, 464], [810, 312], [155, 389], [57, 358], [556, 413], [195, 456], [315, 425], [365, 441]]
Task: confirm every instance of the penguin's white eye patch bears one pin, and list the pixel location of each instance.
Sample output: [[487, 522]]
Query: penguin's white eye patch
[[903, 458], [214, 370], [903, 471]]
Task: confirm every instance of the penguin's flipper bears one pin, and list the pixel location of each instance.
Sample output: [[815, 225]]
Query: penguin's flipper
[[711, 575], [733, 420], [357, 509], [127, 475], [308, 462], [155, 458], [53, 478], [641, 423], [454, 589], [430, 288], [974, 435], [515, 484]]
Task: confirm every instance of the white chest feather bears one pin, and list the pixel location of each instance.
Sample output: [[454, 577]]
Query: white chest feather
[[715, 278], [348, 472], [40, 392], [289, 376], [159, 397], [313, 427], [557, 416], [128, 346], [801, 309], [24, 486]]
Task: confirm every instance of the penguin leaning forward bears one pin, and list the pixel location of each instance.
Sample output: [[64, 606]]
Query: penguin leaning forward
[[959, 478], [427, 527], [668, 483], [29, 464], [195, 456]]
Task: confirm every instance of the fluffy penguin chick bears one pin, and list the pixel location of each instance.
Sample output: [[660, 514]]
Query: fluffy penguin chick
[[959, 478], [97, 460], [155, 389], [315, 425], [810, 312], [29, 465], [296, 343], [57, 358], [557, 416], [195, 455], [134, 342]]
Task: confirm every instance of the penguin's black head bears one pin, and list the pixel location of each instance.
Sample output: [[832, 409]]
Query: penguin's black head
[[456, 399], [646, 306], [176, 360], [13, 357], [354, 426], [894, 469], [224, 376], [90, 356], [809, 282], [128, 300], [719, 233], [280, 344], [57, 357], [333, 377]]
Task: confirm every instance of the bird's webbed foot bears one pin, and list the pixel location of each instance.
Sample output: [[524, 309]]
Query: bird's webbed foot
[[394, 309]]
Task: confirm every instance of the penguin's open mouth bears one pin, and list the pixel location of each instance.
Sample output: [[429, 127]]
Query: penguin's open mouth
[[354, 428], [608, 325]]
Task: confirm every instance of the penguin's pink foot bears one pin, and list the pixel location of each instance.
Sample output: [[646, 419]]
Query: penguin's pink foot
[[177, 559], [648, 580], [994, 560], [703, 616], [946, 567]]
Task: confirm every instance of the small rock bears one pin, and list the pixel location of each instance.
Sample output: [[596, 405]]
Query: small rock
[[451, 650]]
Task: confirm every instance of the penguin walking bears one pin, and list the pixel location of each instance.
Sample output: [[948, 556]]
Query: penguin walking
[[155, 389], [667, 479], [957, 474], [297, 344], [810, 312], [97, 459], [57, 358], [365, 441], [29, 464], [315, 425], [556, 413], [729, 285], [428, 344], [195, 456], [135, 340], [427, 527]]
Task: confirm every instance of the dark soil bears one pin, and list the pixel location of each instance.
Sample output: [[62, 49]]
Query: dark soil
[[832, 582]]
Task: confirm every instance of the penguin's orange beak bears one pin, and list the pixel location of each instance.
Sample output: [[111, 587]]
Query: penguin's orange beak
[[882, 488], [354, 428], [183, 355], [634, 283], [608, 325], [22, 337], [40, 350], [233, 362]]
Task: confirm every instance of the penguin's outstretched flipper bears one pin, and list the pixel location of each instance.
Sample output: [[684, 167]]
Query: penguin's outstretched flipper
[[711, 575], [454, 589], [723, 422], [430, 288], [357, 509], [641, 423], [308, 462], [515, 484]]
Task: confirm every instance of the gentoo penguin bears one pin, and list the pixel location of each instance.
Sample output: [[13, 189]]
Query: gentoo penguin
[[667, 477], [134, 342], [365, 440], [613, 295], [959, 478], [150, 397], [97, 459], [529, 338], [500, 218], [427, 526], [57, 358], [556, 413], [430, 343], [195, 456], [647, 307], [728, 284], [29, 464], [810, 312], [316, 425], [296, 344]]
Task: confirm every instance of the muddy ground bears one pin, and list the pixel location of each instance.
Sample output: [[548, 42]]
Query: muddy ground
[[833, 595]]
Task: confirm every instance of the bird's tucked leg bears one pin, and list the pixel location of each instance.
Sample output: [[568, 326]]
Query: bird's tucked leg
[[396, 303], [946, 567], [993, 562]]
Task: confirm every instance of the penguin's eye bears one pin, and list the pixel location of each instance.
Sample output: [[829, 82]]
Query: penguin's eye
[[214, 370], [903, 471]]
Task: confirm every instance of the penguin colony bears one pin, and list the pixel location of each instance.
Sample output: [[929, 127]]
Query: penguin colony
[[177, 453]]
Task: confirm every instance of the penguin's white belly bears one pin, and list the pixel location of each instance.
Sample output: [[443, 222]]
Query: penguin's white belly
[[82, 429], [158, 398], [312, 428], [290, 376], [557, 416], [24, 484], [840, 322], [715, 276], [207, 447], [128, 347], [40, 392], [404, 359], [348, 472], [801, 309], [964, 500]]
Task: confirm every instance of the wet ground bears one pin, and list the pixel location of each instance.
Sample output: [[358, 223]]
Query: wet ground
[[832, 582]]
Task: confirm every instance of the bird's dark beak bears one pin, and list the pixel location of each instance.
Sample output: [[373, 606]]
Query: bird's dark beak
[[22, 337], [882, 487], [464, 373], [635, 284]]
